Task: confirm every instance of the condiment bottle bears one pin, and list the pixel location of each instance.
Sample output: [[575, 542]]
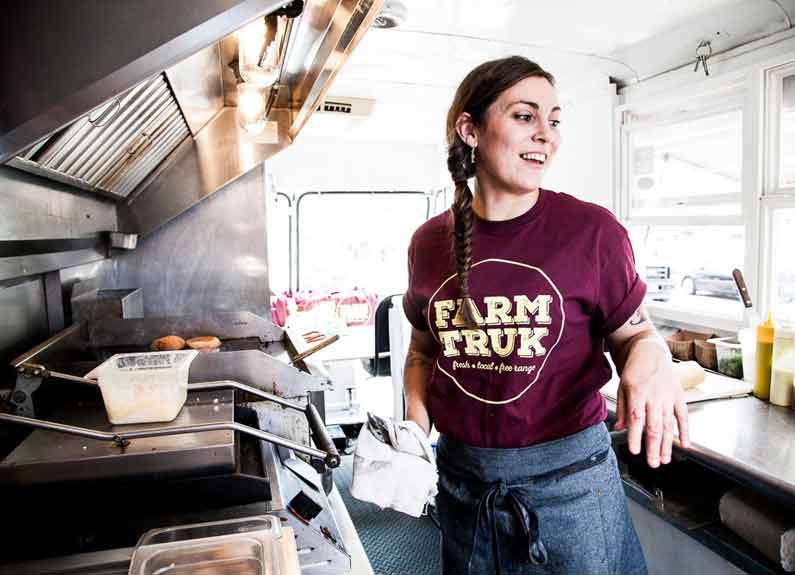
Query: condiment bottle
[[783, 364], [764, 357]]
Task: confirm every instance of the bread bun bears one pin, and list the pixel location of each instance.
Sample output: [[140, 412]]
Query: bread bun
[[689, 373], [168, 343], [204, 343]]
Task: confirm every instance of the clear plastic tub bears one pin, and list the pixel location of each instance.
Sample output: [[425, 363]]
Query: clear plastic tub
[[730, 356], [144, 387], [747, 339], [246, 546]]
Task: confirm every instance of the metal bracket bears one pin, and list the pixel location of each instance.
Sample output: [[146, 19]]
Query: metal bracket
[[21, 400]]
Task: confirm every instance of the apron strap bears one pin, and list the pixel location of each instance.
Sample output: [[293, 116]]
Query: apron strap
[[524, 513]]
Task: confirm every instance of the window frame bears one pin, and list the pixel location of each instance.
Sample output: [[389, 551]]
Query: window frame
[[774, 77], [760, 68], [706, 99]]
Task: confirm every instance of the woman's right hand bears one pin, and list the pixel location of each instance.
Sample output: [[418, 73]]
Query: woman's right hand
[[416, 377]]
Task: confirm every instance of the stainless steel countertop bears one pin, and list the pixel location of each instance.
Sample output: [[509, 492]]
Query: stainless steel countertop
[[749, 439]]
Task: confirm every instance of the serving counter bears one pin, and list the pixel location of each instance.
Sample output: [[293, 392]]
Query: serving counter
[[735, 442]]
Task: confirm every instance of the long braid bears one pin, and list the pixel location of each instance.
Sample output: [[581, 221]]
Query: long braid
[[461, 169]]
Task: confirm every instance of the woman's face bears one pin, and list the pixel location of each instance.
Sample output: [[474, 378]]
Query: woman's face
[[519, 137]]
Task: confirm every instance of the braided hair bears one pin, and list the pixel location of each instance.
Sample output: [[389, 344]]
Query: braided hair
[[481, 87]]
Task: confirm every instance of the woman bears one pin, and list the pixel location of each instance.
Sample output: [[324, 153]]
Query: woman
[[506, 358]]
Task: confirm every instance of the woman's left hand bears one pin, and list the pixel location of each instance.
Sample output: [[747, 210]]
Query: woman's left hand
[[651, 400]]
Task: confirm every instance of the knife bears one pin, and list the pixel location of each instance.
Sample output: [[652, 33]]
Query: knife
[[742, 288]]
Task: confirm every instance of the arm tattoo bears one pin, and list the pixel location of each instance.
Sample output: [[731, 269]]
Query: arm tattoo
[[638, 317]]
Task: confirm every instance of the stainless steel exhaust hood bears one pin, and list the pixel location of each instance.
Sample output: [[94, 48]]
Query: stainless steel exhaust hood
[[112, 149], [136, 101]]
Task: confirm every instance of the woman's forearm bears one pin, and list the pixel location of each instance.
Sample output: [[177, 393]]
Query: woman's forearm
[[644, 347], [416, 375]]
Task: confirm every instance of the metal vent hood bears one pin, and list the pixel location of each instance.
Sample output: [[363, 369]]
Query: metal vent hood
[[137, 102]]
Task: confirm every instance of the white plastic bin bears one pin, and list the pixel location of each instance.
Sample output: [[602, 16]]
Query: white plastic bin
[[747, 337], [144, 387]]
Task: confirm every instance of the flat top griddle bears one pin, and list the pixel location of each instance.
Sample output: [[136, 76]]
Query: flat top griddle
[[50, 457]]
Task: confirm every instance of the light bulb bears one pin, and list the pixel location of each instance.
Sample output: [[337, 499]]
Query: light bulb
[[257, 49], [251, 107]]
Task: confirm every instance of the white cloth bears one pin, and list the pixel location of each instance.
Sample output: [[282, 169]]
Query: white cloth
[[394, 466]]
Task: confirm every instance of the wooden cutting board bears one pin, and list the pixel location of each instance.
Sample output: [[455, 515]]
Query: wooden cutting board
[[715, 386]]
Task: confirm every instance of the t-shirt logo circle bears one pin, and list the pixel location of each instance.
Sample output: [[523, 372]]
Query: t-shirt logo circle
[[520, 321]]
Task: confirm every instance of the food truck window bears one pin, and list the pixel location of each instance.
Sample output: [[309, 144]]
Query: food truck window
[[782, 285], [689, 268], [687, 168], [778, 197], [357, 239], [787, 130], [280, 230], [682, 202]]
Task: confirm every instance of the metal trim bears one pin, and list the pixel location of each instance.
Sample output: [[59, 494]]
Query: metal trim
[[40, 263]]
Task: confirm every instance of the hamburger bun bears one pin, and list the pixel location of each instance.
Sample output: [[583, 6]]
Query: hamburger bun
[[204, 343], [167, 343]]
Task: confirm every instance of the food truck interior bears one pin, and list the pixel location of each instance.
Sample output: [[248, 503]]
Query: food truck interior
[[233, 185]]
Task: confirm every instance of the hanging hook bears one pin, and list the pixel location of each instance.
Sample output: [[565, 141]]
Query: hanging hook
[[703, 51]]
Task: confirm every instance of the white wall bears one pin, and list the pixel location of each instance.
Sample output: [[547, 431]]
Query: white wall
[[342, 164], [401, 145]]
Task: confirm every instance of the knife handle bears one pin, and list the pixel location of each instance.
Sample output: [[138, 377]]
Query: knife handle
[[742, 288]]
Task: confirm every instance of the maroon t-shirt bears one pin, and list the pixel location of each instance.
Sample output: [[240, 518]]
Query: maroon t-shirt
[[549, 285]]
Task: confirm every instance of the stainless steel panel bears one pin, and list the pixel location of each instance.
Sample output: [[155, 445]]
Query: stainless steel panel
[[96, 304], [40, 263], [53, 295], [23, 316], [324, 40], [197, 86], [110, 332], [86, 53], [220, 153], [317, 553], [46, 456], [213, 257], [35, 209]]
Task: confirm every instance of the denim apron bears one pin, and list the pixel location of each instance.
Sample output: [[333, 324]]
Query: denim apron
[[555, 507]]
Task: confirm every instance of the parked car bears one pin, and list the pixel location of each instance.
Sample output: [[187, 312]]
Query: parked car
[[713, 283]]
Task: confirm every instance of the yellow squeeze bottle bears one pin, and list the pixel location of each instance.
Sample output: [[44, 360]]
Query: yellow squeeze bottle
[[764, 357]]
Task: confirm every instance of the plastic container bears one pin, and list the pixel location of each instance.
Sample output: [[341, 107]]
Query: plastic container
[[144, 387], [730, 356], [781, 378], [747, 337], [246, 546], [764, 358]]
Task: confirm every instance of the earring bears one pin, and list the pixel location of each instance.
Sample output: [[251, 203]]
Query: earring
[[472, 155]]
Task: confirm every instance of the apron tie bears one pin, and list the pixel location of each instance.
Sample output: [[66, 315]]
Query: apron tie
[[522, 510]]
